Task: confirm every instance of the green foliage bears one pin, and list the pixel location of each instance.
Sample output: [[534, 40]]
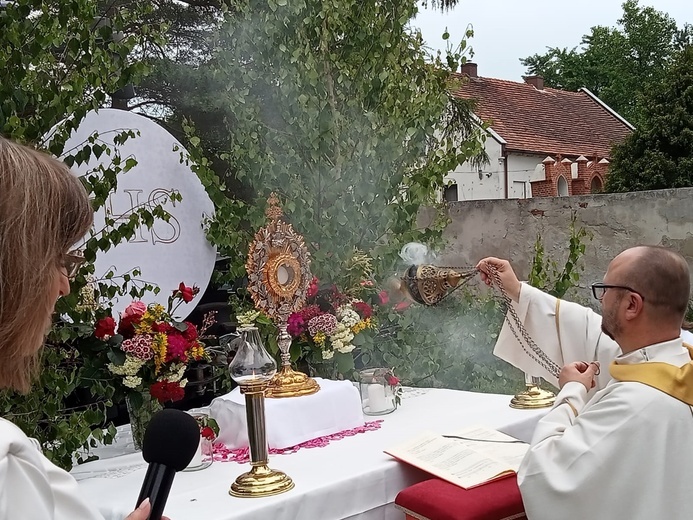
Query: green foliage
[[546, 275], [449, 345], [60, 60], [659, 154], [618, 64]]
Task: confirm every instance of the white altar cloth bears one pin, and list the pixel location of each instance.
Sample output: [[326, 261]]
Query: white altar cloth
[[348, 479], [291, 421]]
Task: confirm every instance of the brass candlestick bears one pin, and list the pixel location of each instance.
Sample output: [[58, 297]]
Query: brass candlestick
[[532, 397], [261, 480], [252, 368], [278, 269]]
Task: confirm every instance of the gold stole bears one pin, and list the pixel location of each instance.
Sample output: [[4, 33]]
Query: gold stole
[[672, 380]]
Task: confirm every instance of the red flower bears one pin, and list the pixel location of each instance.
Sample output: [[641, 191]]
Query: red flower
[[392, 380], [384, 297], [186, 293], [126, 327], [207, 433], [363, 309], [312, 288], [105, 328], [191, 332], [167, 391], [162, 326]]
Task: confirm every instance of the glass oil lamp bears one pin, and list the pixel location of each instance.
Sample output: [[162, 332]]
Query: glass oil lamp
[[253, 368]]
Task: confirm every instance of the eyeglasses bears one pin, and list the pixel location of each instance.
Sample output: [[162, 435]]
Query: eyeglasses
[[72, 261], [599, 290]]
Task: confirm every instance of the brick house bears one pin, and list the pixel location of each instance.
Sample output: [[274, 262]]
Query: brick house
[[541, 142]]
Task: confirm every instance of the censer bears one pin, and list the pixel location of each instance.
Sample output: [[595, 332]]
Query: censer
[[429, 285]]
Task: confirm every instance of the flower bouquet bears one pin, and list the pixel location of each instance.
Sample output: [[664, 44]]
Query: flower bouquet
[[330, 326], [150, 354]]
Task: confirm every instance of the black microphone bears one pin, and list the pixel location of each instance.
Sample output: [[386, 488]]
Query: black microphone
[[169, 444]]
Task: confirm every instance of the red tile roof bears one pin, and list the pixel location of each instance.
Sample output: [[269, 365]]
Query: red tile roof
[[549, 121]]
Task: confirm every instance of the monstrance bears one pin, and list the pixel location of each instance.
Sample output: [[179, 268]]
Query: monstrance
[[429, 284], [278, 269]]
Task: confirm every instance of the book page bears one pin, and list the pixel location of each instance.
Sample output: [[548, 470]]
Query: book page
[[507, 451], [450, 459]]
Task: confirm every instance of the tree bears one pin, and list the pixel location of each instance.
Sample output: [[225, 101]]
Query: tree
[[659, 154], [616, 64], [337, 107]]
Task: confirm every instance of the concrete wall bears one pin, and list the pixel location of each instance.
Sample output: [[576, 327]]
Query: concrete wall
[[508, 228]]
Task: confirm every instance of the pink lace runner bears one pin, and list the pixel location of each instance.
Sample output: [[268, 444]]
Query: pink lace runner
[[242, 455]]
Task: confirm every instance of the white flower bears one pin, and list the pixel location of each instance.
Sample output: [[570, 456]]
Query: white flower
[[131, 366], [345, 349], [175, 373], [183, 382], [132, 381], [327, 354], [348, 316]]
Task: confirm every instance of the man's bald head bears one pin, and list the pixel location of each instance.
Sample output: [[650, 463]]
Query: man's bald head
[[661, 276]]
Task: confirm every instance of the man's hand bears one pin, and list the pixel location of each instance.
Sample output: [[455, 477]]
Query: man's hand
[[581, 372], [506, 274], [142, 512]]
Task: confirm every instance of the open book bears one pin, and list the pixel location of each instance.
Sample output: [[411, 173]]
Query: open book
[[461, 461]]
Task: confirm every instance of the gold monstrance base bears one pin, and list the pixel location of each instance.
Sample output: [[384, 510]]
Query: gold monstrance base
[[532, 397], [289, 383], [261, 481]]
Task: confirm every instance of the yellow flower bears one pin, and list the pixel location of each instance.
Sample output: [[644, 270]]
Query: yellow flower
[[159, 344], [319, 338], [362, 325]]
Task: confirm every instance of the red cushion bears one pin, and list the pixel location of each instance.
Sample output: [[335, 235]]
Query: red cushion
[[439, 500]]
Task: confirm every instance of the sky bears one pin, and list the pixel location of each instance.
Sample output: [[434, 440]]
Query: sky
[[507, 30]]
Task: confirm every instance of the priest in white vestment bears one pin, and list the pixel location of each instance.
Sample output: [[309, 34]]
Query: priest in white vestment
[[611, 447]]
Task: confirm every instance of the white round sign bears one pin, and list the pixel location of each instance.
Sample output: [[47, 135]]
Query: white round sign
[[170, 252]]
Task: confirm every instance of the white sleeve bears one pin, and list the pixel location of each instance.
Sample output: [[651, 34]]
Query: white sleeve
[[32, 487], [563, 330]]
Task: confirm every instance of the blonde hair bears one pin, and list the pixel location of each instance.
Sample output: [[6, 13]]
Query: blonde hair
[[44, 211]]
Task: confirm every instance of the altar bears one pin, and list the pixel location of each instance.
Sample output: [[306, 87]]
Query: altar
[[348, 478]]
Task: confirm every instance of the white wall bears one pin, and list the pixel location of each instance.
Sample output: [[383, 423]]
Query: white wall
[[492, 183], [520, 171]]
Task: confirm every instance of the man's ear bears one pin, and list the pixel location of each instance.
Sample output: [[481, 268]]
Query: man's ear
[[635, 305]]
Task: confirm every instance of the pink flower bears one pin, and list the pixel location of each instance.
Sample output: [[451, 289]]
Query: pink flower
[[295, 324], [366, 283], [325, 323], [402, 305], [139, 346], [135, 310], [384, 297], [177, 347]]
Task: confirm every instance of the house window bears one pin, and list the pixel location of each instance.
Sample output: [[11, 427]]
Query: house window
[[562, 187], [596, 185], [450, 193]]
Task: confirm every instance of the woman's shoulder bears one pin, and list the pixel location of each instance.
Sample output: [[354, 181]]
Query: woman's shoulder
[[14, 441]]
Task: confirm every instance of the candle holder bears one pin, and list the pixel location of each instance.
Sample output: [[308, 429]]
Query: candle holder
[[278, 269], [253, 368], [532, 397]]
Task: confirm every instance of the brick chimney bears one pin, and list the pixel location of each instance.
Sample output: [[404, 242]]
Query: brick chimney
[[536, 81], [469, 69]]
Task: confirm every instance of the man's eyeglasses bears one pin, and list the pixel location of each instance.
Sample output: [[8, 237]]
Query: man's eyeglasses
[[72, 261], [599, 290]]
